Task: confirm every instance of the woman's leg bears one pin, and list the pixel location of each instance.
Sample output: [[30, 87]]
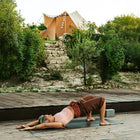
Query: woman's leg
[[90, 103], [102, 115], [89, 117]]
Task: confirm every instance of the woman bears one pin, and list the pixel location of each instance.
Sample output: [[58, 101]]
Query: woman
[[82, 107]]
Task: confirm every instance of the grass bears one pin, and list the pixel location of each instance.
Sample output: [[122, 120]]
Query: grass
[[33, 90], [58, 90], [62, 87], [18, 90]]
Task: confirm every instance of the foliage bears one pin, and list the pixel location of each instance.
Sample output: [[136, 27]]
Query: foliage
[[111, 58], [104, 49], [128, 30], [80, 43], [132, 56], [41, 27], [21, 49], [90, 80], [32, 52], [128, 27], [10, 28]]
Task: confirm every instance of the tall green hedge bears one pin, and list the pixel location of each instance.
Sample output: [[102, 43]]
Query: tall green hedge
[[111, 58], [10, 27], [21, 49]]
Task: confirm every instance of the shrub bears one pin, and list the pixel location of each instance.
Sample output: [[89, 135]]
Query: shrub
[[54, 75], [132, 56], [10, 28], [21, 49], [32, 52], [111, 59]]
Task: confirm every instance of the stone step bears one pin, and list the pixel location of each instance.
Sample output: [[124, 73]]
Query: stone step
[[54, 48], [56, 66], [58, 58], [55, 52], [53, 56], [51, 42], [56, 61], [54, 44]]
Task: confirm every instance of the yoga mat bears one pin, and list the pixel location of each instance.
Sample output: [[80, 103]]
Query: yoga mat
[[81, 123]]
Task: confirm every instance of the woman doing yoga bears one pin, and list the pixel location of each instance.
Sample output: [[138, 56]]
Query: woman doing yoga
[[82, 107]]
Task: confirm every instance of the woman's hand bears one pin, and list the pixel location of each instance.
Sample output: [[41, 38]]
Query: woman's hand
[[21, 126], [26, 128]]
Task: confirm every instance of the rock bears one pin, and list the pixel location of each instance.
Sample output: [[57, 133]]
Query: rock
[[79, 68]]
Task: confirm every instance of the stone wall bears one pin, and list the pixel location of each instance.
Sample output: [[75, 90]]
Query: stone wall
[[56, 56]]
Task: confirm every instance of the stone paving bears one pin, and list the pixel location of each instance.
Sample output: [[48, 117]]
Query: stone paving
[[129, 130]]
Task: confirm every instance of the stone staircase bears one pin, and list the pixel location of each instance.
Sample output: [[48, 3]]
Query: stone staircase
[[56, 56]]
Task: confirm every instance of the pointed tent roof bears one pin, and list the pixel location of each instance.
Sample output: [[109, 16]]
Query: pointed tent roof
[[75, 16], [77, 19]]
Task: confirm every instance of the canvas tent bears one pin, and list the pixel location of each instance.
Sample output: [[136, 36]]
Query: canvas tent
[[63, 23]]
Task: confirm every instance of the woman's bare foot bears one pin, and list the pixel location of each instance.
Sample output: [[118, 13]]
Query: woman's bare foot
[[104, 123], [90, 119]]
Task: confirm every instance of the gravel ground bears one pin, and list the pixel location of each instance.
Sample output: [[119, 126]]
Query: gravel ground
[[129, 130]]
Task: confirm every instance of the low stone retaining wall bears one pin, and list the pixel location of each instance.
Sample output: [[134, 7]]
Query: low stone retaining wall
[[33, 112]]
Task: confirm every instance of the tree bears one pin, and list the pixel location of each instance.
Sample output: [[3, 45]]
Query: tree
[[32, 50], [21, 48], [127, 27], [81, 48], [10, 27], [41, 27], [82, 40]]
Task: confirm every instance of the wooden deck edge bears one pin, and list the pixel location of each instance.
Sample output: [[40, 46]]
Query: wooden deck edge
[[21, 113]]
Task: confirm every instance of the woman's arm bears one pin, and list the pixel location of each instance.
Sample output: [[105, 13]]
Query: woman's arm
[[28, 124], [45, 125]]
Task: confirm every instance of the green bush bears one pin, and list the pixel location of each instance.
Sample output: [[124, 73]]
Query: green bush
[[132, 56], [81, 42], [10, 28], [21, 49], [89, 80], [127, 27], [111, 59], [32, 49]]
